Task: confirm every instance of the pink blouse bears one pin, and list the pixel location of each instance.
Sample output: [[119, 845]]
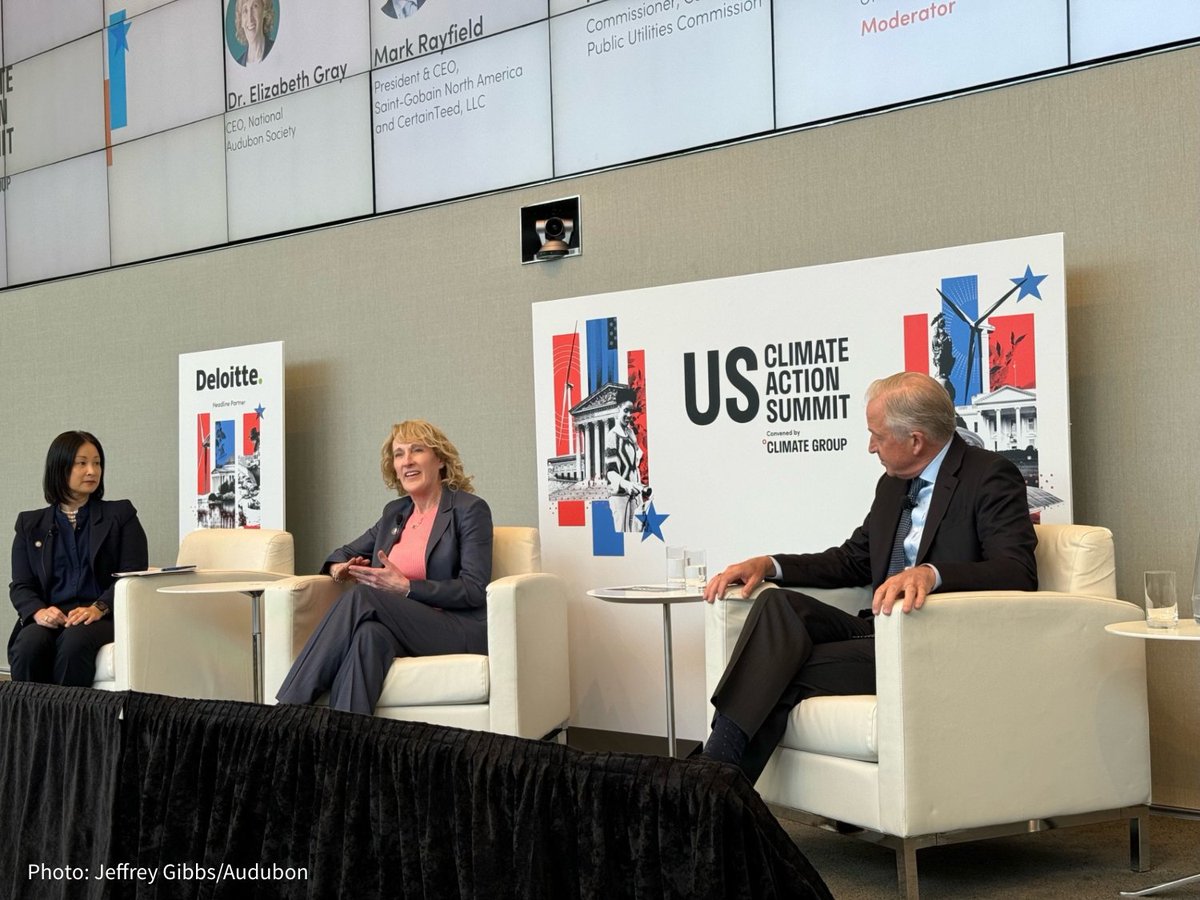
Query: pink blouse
[[408, 554]]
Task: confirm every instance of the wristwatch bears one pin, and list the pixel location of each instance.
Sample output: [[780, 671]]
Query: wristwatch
[[102, 606]]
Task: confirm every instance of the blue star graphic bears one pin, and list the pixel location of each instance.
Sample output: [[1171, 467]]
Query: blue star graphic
[[118, 37], [652, 522], [259, 410], [1028, 284]]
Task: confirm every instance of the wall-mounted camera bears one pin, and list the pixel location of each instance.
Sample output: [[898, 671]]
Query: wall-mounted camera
[[555, 235], [551, 230]]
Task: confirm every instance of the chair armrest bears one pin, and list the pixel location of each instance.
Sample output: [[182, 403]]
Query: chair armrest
[[292, 609], [1006, 706], [529, 675], [184, 645]]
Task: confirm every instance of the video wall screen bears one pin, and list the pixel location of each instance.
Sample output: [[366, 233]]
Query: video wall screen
[[1101, 28], [836, 58], [648, 78], [139, 129], [473, 118]]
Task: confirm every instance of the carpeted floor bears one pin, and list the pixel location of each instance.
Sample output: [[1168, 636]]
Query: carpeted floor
[[1088, 862]]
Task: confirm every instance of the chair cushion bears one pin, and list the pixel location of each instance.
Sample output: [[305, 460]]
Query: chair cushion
[[1076, 559], [515, 551], [105, 667], [436, 680], [835, 726], [261, 549]]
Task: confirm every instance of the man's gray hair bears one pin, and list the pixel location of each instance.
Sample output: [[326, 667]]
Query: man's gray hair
[[912, 401]]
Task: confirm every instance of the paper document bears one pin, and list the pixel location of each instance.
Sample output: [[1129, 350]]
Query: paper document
[[154, 570]]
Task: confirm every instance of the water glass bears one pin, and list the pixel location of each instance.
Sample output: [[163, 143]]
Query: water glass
[[675, 567], [1162, 611], [696, 569], [1196, 588]]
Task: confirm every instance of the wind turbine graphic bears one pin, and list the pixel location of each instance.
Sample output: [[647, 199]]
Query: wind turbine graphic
[[564, 416], [977, 327]]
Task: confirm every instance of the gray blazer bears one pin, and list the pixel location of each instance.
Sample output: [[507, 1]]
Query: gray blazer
[[458, 558]]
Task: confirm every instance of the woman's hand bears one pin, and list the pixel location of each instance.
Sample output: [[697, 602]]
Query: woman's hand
[[83, 615], [50, 617], [389, 578], [341, 571]]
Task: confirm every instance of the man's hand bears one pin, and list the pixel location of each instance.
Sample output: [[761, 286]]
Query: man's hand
[[911, 586], [749, 573]]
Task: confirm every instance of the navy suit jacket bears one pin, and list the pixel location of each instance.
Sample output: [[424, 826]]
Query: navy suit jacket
[[118, 544], [458, 557], [978, 532]]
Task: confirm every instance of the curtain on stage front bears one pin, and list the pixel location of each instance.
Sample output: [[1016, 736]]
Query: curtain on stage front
[[224, 799]]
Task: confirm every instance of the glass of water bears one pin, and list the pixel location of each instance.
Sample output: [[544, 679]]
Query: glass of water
[[675, 567], [696, 569], [1196, 588], [1162, 611]]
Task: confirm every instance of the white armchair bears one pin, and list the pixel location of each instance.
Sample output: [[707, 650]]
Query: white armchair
[[995, 713], [521, 687], [193, 646]]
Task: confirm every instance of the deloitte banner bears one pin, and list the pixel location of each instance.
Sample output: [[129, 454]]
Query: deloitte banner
[[729, 415], [231, 438]]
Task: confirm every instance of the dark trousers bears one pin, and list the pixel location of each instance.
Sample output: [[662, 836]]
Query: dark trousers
[[792, 647], [352, 649], [58, 655]]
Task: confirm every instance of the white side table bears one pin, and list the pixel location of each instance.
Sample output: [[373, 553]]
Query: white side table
[[252, 589], [1186, 630], [656, 593]]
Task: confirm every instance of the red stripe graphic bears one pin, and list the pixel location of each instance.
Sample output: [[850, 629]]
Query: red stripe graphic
[[1011, 356], [203, 453], [916, 343], [635, 360], [566, 388]]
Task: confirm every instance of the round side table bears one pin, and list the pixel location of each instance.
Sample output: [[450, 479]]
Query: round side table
[[1186, 630], [656, 593]]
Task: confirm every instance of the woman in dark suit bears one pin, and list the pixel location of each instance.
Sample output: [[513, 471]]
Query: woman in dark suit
[[63, 560], [421, 574]]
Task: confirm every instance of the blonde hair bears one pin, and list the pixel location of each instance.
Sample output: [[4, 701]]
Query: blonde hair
[[418, 431], [912, 401], [268, 19]]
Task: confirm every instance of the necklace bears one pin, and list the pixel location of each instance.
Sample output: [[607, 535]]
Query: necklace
[[72, 515], [417, 519]]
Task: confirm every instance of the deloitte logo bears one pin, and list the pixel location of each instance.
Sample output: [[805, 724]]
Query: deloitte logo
[[238, 376]]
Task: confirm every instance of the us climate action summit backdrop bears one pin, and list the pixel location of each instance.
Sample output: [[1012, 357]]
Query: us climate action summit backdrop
[[132, 129], [730, 416]]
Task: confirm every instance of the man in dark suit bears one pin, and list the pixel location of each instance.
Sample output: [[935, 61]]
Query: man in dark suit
[[946, 517]]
